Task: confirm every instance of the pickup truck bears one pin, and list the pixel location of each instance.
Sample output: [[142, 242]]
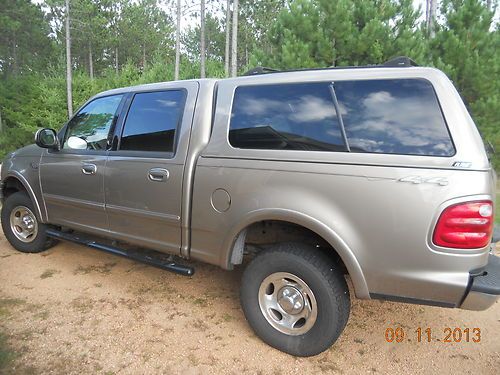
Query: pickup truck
[[373, 175]]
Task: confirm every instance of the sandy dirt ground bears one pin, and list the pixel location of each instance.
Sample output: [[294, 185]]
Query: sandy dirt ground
[[73, 310]]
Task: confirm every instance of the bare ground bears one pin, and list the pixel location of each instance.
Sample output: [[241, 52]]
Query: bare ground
[[73, 310]]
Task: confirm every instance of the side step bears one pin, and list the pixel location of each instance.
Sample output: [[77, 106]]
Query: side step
[[152, 258]]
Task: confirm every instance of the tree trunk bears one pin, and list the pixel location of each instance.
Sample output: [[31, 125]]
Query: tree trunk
[[334, 52], [228, 36], [234, 41], [489, 5], [69, 76], [430, 12], [246, 53], [143, 57], [202, 40], [427, 8], [15, 63], [178, 41], [116, 60], [91, 62]]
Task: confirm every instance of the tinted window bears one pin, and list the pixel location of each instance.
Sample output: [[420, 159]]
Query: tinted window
[[152, 121], [285, 117], [93, 123], [394, 117]]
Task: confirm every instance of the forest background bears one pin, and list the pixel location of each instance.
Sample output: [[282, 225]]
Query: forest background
[[55, 54]]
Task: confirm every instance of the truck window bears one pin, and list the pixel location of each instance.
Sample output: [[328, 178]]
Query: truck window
[[93, 122], [152, 121], [393, 116], [285, 117]]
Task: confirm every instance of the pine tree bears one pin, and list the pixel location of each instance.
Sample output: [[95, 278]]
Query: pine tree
[[467, 48], [344, 32]]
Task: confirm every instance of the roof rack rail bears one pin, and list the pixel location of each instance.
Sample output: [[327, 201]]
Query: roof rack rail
[[402, 61], [260, 70], [396, 62]]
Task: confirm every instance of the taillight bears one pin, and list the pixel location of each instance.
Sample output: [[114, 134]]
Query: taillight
[[466, 225]]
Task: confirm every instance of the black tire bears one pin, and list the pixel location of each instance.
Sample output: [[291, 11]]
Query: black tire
[[38, 242], [324, 279]]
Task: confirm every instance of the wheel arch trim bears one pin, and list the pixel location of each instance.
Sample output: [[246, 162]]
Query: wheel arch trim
[[316, 226], [22, 180]]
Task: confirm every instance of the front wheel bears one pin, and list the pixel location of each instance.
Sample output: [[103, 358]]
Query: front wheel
[[21, 226], [295, 299]]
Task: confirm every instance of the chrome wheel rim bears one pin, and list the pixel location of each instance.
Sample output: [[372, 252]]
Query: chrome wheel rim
[[287, 303], [23, 224]]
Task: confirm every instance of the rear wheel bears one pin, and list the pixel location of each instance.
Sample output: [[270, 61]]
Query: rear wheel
[[21, 226], [295, 298]]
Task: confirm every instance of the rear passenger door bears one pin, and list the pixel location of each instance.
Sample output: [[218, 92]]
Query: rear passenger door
[[144, 171]]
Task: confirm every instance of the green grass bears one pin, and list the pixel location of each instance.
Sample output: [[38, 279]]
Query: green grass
[[48, 273], [6, 354], [7, 303]]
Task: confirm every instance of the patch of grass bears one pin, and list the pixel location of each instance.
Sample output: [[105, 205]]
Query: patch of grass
[[330, 367], [200, 325], [200, 302], [7, 303], [25, 335], [49, 273], [227, 317], [193, 359], [102, 268], [42, 315], [83, 305], [6, 353]]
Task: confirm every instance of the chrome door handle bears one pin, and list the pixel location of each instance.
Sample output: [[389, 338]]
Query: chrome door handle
[[89, 169], [158, 174]]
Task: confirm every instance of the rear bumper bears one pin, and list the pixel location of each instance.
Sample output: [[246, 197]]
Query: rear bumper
[[484, 289]]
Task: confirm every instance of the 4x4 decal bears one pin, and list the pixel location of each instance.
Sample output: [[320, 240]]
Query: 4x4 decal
[[442, 181]]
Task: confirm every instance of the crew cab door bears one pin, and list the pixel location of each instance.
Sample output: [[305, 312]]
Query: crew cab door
[[72, 179], [144, 174]]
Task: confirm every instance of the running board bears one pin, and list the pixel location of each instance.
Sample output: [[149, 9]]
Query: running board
[[149, 257]]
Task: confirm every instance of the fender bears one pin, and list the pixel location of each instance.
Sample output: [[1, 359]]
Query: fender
[[18, 176], [345, 253]]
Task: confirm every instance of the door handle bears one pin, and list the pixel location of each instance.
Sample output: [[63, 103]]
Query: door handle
[[158, 174], [89, 169]]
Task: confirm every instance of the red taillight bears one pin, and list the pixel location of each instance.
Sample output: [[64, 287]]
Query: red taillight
[[466, 225]]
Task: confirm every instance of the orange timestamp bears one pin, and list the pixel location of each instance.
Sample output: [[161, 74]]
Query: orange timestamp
[[427, 334]]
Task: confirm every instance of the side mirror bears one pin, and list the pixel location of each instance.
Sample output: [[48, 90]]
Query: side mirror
[[76, 143], [47, 138]]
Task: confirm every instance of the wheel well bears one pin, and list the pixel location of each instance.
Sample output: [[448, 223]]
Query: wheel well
[[263, 234], [12, 185]]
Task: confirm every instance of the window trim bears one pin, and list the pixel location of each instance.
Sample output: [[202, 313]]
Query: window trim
[[349, 151], [65, 128], [327, 84], [439, 107], [149, 154]]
